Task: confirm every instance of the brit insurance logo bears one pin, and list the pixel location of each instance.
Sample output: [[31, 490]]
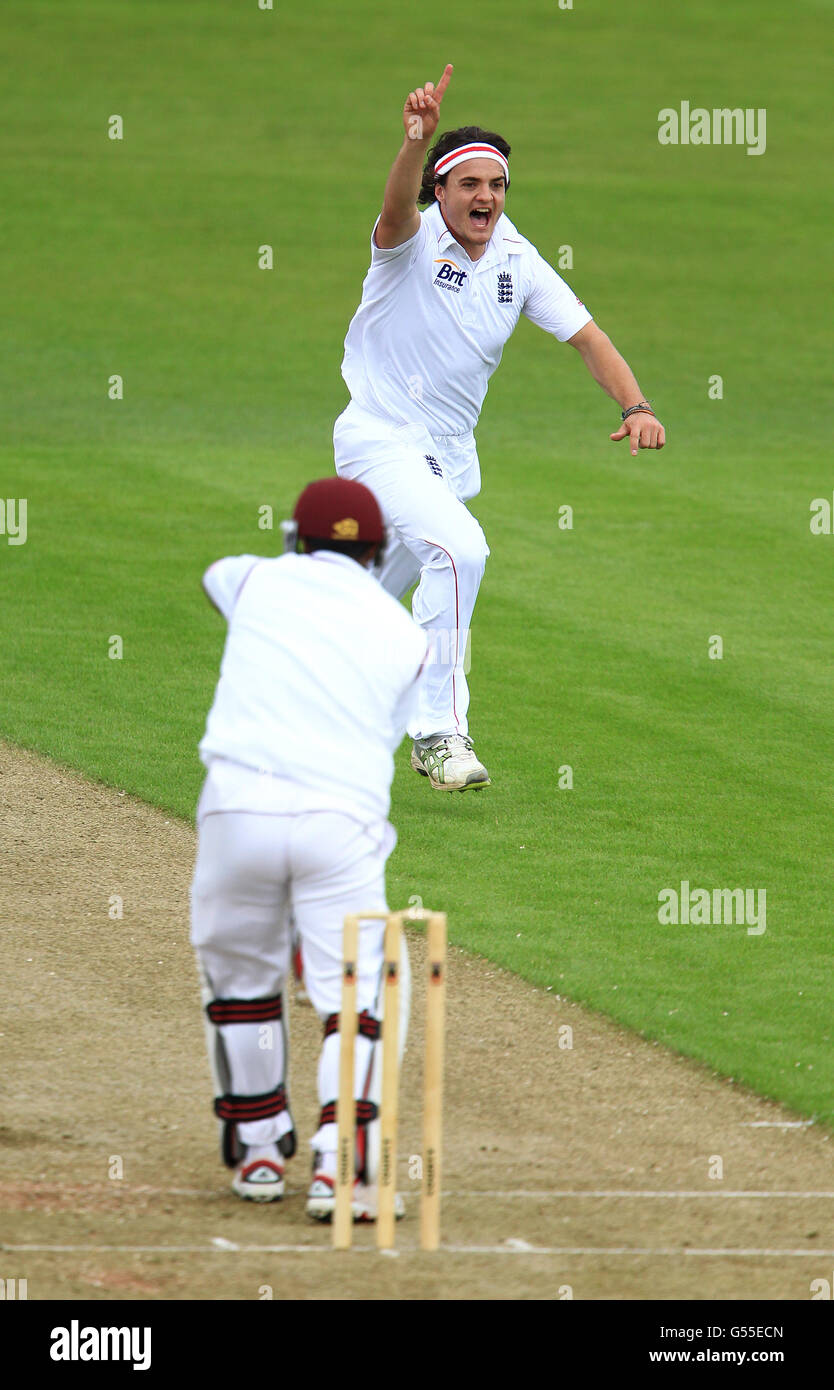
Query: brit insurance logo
[[450, 276]]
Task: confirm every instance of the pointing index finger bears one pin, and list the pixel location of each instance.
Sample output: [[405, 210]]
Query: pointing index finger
[[444, 82]]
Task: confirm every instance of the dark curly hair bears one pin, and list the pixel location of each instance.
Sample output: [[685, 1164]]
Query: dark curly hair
[[453, 140]]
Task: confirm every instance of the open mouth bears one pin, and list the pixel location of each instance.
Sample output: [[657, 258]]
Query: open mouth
[[479, 217]]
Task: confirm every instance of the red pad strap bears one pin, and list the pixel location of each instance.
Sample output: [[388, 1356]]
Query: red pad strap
[[239, 1109], [366, 1110], [367, 1026], [245, 1010]]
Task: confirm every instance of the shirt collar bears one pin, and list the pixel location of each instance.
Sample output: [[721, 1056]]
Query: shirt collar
[[496, 249], [332, 557]]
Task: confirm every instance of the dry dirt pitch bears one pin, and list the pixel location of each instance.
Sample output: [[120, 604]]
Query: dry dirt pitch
[[580, 1171]]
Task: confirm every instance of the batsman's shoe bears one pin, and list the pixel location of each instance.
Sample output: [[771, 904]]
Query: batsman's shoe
[[365, 1207], [321, 1201], [321, 1198], [449, 762], [260, 1177]]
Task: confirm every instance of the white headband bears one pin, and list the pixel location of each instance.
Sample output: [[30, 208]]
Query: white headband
[[459, 156]]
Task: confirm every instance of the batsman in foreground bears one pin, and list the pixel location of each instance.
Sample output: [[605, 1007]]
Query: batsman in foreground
[[320, 673], [444, 291]]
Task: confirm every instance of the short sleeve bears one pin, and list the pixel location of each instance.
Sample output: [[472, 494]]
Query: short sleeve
[[552, 304], [405, 254], [224, 580]]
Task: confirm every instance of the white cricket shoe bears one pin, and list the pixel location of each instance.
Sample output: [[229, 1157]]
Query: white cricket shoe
[[260, 1177], [321, 1201], [449, 762], [321, 1198]]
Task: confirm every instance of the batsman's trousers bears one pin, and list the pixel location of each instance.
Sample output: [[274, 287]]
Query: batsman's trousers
[[252, 871]]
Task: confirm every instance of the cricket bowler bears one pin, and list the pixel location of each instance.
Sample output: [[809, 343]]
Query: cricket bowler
[[444, 291]]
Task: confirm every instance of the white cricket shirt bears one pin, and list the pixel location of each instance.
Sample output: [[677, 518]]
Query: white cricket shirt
[[317, 683], [432, 324]]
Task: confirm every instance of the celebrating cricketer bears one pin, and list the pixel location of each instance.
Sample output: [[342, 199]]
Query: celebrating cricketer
[[443, 293]]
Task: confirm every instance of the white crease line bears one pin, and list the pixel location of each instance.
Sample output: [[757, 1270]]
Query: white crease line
[[227, 1248], [531, 1194], [511, 1248], [674, 1250], [776, 1124]]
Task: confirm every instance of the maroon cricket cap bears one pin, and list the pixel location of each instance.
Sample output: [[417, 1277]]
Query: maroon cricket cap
[[338, 509]]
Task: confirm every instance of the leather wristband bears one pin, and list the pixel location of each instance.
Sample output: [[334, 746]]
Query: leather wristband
[[642, 406]]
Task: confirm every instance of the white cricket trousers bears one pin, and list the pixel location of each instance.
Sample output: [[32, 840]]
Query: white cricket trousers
[[422, 482], [251, 870]]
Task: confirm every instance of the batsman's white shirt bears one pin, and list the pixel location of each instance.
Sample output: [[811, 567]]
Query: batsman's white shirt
[[432, 324], [319, 675]]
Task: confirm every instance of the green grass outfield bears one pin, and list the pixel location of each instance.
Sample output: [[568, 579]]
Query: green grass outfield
[[590, 646]]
